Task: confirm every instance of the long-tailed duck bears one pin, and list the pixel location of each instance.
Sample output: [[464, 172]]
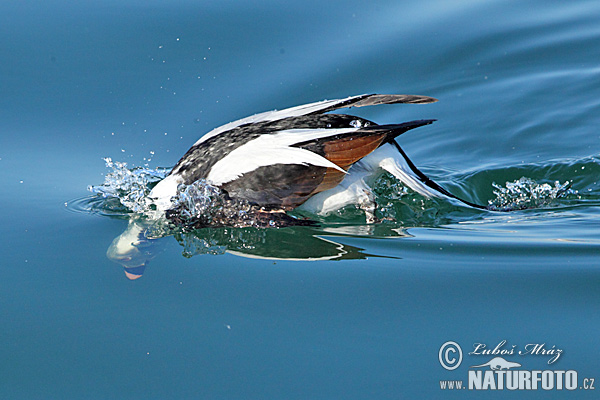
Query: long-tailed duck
[[302, 157]]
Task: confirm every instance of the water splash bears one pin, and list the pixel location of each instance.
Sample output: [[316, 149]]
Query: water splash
[[197, 205], [526, 193], [129, 186], [200, 205], [399, 204], [196, 200]]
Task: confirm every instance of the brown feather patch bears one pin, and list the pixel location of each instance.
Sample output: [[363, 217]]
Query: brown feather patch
[[346, 151]]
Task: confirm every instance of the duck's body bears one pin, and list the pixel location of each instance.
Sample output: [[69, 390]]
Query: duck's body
[[300, 156]]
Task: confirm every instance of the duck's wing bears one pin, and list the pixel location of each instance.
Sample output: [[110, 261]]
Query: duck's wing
[[284, 169], [320, 107]]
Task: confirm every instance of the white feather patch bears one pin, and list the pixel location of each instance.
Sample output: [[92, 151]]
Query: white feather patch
[[275, 115], [161, 194], [272, 149]]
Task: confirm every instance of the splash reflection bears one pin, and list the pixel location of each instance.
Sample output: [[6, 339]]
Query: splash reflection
[[139, 243]]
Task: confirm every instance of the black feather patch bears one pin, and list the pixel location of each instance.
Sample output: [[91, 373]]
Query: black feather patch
[[199, 159]]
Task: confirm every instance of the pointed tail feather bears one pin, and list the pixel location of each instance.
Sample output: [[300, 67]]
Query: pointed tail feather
[[371, 100], [419, 182], [377, 99]]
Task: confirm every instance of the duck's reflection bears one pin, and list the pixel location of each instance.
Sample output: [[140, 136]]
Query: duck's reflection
[[140, 243]]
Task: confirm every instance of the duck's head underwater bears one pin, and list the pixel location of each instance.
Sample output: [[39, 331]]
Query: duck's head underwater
[[301, 158]]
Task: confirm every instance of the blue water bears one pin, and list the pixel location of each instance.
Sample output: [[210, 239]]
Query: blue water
[[238, 314]]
